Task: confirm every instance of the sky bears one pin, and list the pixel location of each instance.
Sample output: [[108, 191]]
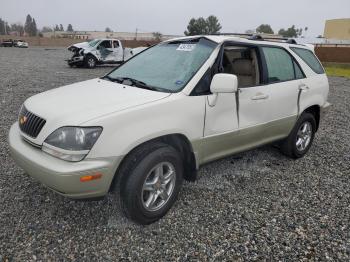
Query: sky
[[172, 17]]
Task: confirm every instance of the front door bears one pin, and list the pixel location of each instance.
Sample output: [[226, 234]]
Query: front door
[[106, 51]]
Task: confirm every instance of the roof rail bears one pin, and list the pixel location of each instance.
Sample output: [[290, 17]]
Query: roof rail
[[259, 37], [274, 39]]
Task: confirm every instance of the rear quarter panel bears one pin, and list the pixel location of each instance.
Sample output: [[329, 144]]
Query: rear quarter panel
[[317, 93]]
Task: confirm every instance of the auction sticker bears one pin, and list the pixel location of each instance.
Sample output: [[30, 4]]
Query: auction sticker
[[186, 47]]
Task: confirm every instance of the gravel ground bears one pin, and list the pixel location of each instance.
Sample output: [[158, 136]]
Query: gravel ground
[[257, 205]]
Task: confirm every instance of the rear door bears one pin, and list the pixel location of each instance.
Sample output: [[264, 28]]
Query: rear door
[[268, 111], [118, 53]]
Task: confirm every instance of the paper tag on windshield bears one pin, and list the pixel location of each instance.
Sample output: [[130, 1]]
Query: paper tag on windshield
[[186, 47]]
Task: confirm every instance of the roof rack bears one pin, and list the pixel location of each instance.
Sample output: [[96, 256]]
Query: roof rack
[[262, 38]]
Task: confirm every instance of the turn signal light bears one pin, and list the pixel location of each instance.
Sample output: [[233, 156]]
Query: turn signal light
[[90, 177]]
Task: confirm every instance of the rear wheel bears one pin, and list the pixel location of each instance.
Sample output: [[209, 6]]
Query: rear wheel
[[300, 139], [151, 179], [90, 61]]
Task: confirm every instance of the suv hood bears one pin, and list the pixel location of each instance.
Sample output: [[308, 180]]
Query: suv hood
[[80, 102]]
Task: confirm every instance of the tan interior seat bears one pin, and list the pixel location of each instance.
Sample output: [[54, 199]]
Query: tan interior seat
[[243, 69]]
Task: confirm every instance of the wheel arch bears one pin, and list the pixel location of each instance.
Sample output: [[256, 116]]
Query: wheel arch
[[315, 110], [90, 54], [178, 141]]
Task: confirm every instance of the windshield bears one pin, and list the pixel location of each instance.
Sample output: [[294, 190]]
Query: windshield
[[167, 66], [92, 43]]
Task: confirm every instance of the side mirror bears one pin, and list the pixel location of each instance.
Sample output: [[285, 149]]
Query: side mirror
[[224, 83]]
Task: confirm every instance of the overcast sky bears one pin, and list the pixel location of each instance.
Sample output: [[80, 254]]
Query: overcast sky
[[172, 16]]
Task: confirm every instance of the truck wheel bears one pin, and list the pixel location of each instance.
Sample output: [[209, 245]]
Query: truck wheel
[[300, 139], [90, 61], [150, 180]]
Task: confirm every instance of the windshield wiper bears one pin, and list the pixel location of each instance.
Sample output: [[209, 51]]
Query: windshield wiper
[[111, 79], [135, 82]]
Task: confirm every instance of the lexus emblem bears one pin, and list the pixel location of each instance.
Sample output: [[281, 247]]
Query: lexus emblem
[[23, 120]]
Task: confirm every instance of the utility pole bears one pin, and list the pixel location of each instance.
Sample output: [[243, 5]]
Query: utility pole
[[136, 34]]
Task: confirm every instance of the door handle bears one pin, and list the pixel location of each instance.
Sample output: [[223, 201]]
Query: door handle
[[302, 86], [260, 96]]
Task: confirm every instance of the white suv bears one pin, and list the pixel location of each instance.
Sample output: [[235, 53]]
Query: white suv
[[153, 121]]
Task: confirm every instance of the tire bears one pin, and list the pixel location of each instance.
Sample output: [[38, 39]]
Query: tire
[[300, 139], [144, 198], [90, 61]]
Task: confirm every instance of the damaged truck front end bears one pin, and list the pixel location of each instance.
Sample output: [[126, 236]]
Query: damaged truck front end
[[77, 58]]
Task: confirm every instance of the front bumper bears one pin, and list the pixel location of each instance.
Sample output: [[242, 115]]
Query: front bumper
[[61, 176], [76, 60]]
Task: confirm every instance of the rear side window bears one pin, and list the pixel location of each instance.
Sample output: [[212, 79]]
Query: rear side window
[[279, 64], [309, 58]]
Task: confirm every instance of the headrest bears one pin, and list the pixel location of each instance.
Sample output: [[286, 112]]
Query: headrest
[[242, 67]]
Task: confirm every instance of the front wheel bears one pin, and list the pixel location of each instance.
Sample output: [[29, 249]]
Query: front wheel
[[151, 179], [90, 61], [300, 139]]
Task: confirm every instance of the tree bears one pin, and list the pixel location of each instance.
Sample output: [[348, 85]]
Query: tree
[[108, 30], [46, 29], [299, 32], [8, 28], [33, 28], [18, 28], [28, 25], [61, 27], [264, 28], [2, 27], [157, 36], [70, 28], [57, 28], [201, 26], [213, 25], [290, 32]]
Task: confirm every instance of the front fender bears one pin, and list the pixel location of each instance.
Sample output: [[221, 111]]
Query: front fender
[[125, 130]]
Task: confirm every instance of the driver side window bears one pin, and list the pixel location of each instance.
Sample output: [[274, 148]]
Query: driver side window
[[106, 44]]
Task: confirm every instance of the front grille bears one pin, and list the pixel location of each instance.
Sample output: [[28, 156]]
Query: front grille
[[29, 123]]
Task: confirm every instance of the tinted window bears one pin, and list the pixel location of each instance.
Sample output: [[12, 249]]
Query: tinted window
[[203, 86], [279, 64], [309, 58], [116, 44], [298, 72]]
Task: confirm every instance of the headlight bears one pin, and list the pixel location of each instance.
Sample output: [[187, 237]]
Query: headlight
[[71, 143]]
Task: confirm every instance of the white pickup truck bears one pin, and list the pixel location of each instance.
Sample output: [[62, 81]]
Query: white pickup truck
[[100, 51]]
